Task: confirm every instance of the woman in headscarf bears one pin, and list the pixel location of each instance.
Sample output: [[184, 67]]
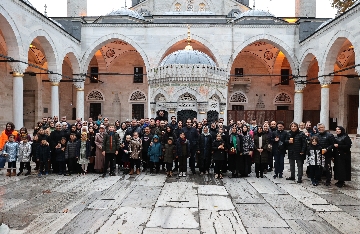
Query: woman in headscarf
[[261, 142], [204, 150], [9, 130], [23, 132], [248, 147], [342, 157], [235, 147]]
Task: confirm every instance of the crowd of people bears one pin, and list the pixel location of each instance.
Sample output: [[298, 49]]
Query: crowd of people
[[160, 146]]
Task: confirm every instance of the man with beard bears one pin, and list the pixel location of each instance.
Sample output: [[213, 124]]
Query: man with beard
[[153, 129], [54, 140], [191, 135], [161, 116], [173, 123], [133, 128], [326, 141], [146, 140]]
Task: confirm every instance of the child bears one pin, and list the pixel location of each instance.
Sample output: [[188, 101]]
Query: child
[[218, 147], [60, 156], [182, 153], [43, 157], [71, 153], [83, 152], [154, 153], [24, 155], [110, 149], [315, 160], [35, 144], [169, 156], [136, 147], [126, 155], [11, 152]]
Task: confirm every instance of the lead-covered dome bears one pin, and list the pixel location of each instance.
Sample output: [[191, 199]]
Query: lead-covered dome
[[126, 12], [188, 57], [255, 12]]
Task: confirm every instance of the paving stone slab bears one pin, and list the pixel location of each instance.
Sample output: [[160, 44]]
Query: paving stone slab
[[212, 222], [320, 189], [242, 192], [310, 226], [49, 223], [87, 221], [150, 180], [212, 190], [270, 231], [16, 220], [126, 220], [102, 184], [178, 194], [74, 183], [354, 193], [142, 196], [290, 208], [8, 204], [215, 203], [169, 217], [170, 231], [342, 221], [341, 200], [308, 198], [352, 210], [75, 206], [259, 215], [264, 186]]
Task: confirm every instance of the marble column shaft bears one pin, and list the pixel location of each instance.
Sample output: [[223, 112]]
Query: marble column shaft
[[18, 100], [298, 106], [55, 107], [324, 112]]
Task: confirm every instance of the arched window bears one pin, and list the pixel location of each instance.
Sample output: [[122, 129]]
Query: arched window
[[95, 95], [282, 99], [238, 97], [137, 96]]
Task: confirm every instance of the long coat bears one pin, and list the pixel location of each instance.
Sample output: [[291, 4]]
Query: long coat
[[342, 158], [298, 146], [263, 157], [218, 154], [204, 147], [99, 159]]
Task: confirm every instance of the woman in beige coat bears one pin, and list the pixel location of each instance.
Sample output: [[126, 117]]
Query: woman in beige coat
[[99, 159]]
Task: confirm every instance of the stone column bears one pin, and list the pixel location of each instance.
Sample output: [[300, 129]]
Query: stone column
[[18, 94], [80, 102], [55, 81], [299, 99], [325, 96], [357, 69]]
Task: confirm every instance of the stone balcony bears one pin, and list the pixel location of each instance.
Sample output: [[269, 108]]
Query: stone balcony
[[240, 80]]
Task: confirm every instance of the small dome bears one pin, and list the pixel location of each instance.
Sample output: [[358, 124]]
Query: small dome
[[126, 12], [324, 24], [188, 57], [255, 12]]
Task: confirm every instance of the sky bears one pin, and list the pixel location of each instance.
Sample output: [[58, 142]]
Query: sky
[[280, 8]]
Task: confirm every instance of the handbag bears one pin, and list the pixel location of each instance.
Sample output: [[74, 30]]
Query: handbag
[[2, 160]]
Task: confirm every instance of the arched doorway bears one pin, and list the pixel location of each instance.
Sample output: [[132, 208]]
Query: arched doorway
[[184, 115]]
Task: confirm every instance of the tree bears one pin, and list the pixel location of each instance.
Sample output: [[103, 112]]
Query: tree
[[342, 5]]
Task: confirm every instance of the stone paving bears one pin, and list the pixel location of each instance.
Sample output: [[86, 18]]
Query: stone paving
[[196, 204]]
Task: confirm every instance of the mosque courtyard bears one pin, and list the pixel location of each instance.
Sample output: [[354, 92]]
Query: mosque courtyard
[[193, 204]]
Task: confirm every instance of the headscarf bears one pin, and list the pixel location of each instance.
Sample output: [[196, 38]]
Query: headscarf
[[342, 131], [260, 133]]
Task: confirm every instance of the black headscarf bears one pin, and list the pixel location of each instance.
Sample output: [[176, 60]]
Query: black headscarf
[[260, 133], [342, 131]]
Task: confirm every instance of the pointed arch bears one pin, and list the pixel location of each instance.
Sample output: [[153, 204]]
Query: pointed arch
[[306, 61], [100, 42], [73, 57], [282, 98], [280, 44], [238, 97], [218, 93], [95, 95], [183, 91], [137, 96]]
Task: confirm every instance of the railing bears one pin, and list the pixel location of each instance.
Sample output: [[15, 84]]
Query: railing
[[240, 80]]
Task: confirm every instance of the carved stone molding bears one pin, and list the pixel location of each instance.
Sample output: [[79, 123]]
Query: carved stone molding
[[325, 81], [18, 68], [54, 78], [79, 85], [299, 84]]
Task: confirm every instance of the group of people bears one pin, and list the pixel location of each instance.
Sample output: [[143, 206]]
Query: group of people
[[155, 144]]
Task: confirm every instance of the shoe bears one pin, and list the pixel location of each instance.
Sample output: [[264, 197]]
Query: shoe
[[265, 171], [290, 178], [280, 176], [131, 171], [257, 175], [194, 172], [270, 170], [216, 176], [201, 173], [112, 174], [206, 173], [144, 170], [8, 173], [275, 176], [103, 175], [170, 174], [180, 174], [184, 174], [39, 174], [221, 176], [27, 173], [60, 173], [327, 184], [340, 185], [261, 176], [299, 181], [46, 173], [18, 174], [137, 171], [13, 172]]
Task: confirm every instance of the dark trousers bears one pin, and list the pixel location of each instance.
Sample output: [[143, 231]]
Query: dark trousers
[[219, 165], [109, 158], [134, 162], [25, 165], [44, 166], [156, 165], [169, 167], [192, 159], [72, 165], [299, 164], [270, 160], [183, 164], [315, 172], [12, 165], [61, 166], [176, 162], [259, 168], [234, 163], [328, 170], [145, 160], [54, 163], [279, 163]]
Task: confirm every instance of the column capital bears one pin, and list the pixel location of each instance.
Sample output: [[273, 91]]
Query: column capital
[[18, 69], [54, 79], [325, 81], [357, 70], [300, 84], [79, 85]]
